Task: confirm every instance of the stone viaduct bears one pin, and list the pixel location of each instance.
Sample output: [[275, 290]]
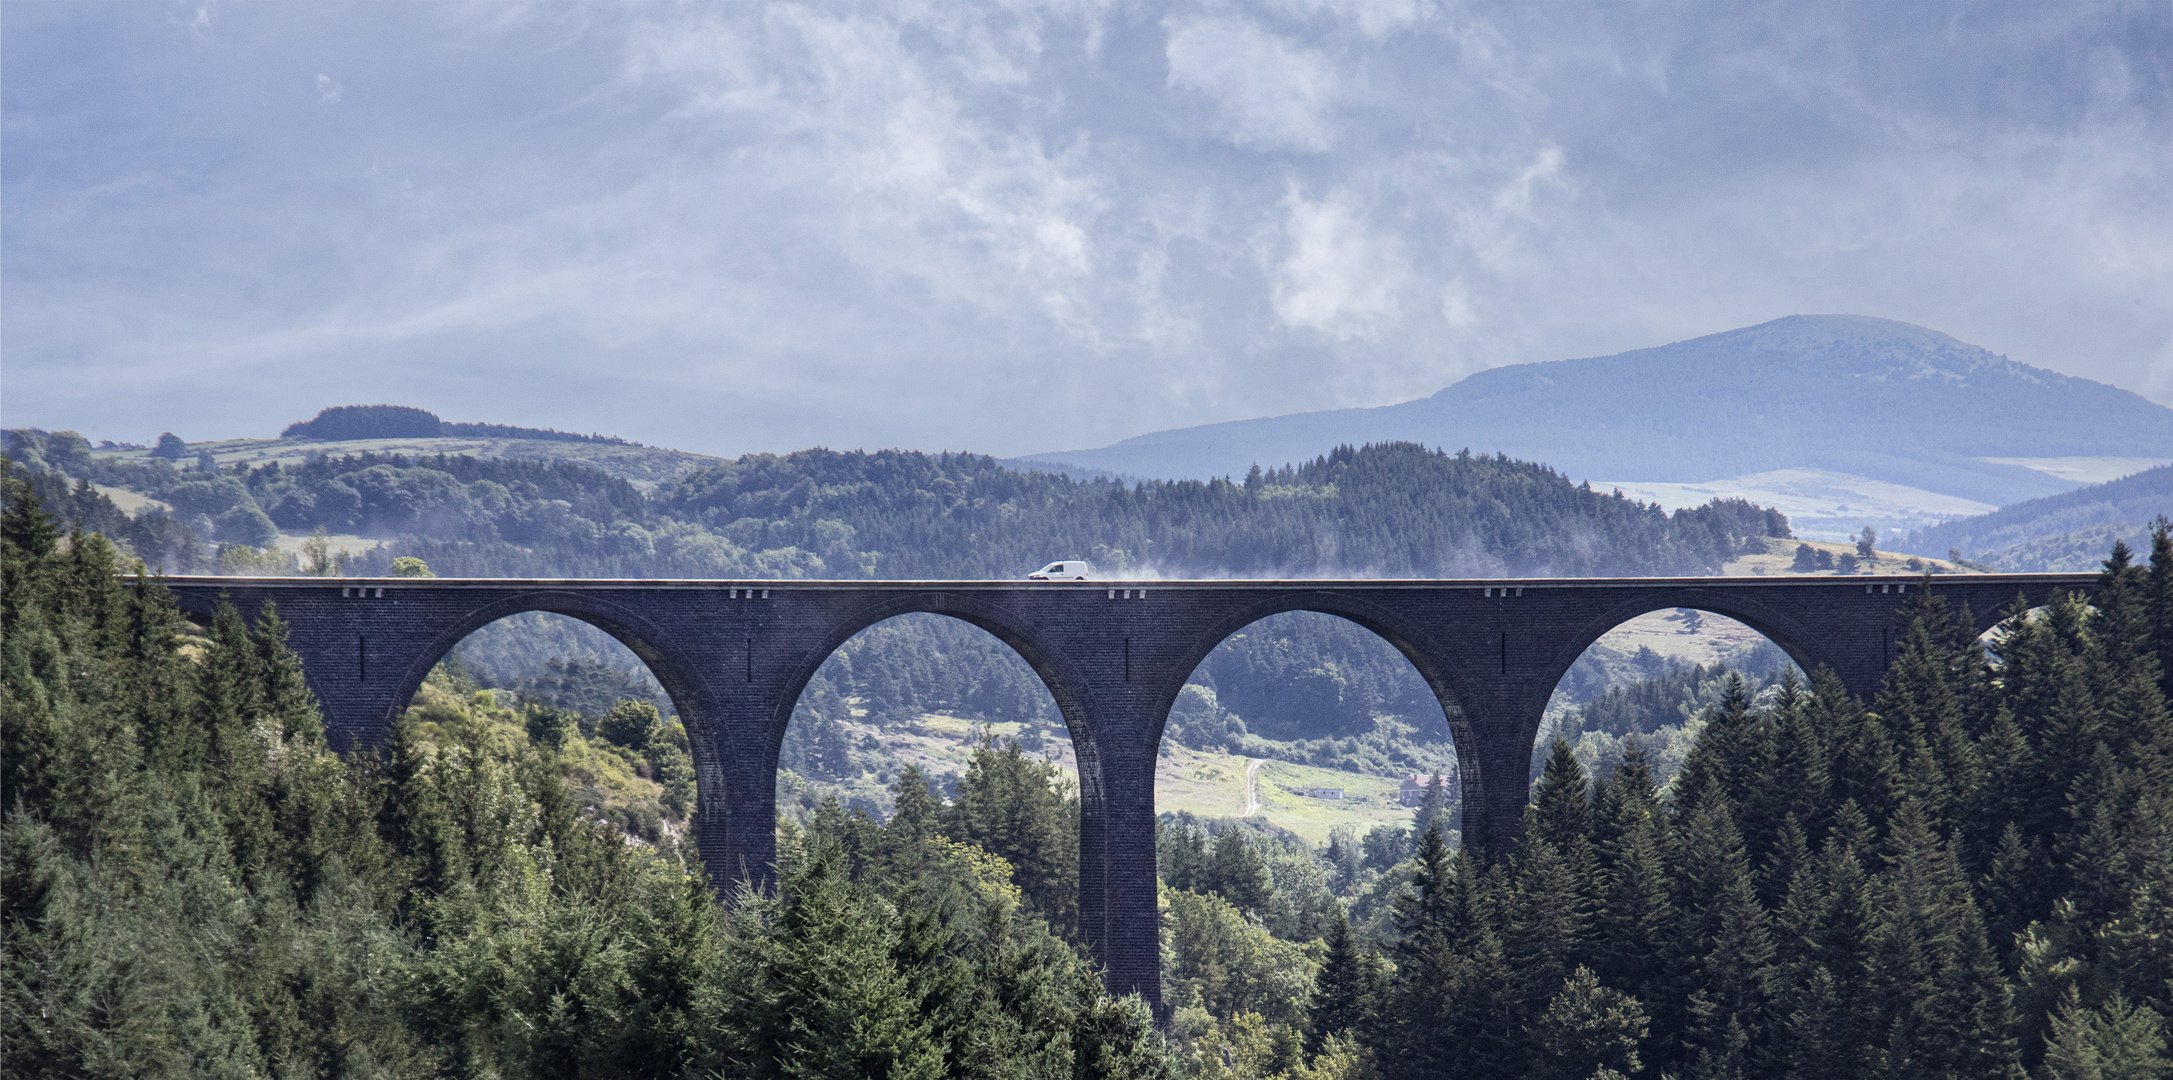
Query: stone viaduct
[[735, 655]]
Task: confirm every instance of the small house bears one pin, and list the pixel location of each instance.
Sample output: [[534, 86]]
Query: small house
[[1412, 792]]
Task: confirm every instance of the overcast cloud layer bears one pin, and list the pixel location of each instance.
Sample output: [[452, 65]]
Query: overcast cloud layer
[[1026, 227]]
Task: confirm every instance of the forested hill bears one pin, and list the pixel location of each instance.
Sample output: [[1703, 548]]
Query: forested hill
[[2120, 509], [1395, 510], [1390, 510]]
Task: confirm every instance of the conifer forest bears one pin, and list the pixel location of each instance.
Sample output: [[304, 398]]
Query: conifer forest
[[1969, 875], [1174, 540]]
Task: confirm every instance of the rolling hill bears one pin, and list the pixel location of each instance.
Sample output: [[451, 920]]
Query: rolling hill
[[2068, 531]]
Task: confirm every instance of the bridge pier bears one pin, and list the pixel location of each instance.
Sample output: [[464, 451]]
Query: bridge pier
[[1131, 922]]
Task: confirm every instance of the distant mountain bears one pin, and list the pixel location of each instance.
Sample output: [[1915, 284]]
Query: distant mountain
[[2053, 532], [1844, 393]]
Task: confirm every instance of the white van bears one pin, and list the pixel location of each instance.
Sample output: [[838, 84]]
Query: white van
[[1069, 570]]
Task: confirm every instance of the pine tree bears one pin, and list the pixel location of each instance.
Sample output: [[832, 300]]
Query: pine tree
[[1636, 914], [1822, 948], [1344, 991], [2136, 718], [1008, 805], [231, 689], [2004, 800], [1868, 771], [1236, 872], [2017, 887], [1722, 952], [1418, 1029], [1791, 852], [1548, 927], [2120, 621], [1920, 708], [1562, 799], [1629, 793], [1588, 1028], [1801, 782], [1181, 852], [1448, 1007], [2158, 602], [1717, 764], [823, 995], [2048, 675], [1943, 1006], [2119, 1041], [1433, 811], [1565, 899], [1820, 1038]]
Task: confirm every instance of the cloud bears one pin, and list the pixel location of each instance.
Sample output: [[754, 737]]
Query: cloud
[[1374, 18], [1017, 225], [1336, 275], [1270, 92], [922, 188]]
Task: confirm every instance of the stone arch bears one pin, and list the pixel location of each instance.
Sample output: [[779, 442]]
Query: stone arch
[[641, 637], [1048, 664], [1776, 626], [1989, 622], [1388, 625], [1057, 673], [625, 626]]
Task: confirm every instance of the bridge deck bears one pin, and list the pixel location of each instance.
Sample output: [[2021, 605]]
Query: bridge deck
[[1794, 580]]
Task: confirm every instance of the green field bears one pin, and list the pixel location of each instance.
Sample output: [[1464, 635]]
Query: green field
[[1203, 783], [1367, 800]]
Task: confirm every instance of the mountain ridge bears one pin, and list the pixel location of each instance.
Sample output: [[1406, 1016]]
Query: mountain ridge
[[1849, 393]]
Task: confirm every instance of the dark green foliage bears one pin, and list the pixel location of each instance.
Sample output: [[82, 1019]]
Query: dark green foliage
[[366, 422], [632, 724], [1346, 994], [1302, 675], [549, 725], [1588, 1027], [1433, 811], [1968, 878], [163, 541], [191, 884], [1942, 1005], [1235, 871], [1451, 1007], [2118, 1041], [1385, 846], [1811, 560], [585, 686], [1020, 809]]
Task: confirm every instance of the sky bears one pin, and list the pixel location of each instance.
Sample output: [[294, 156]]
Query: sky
[[1023, 227]]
